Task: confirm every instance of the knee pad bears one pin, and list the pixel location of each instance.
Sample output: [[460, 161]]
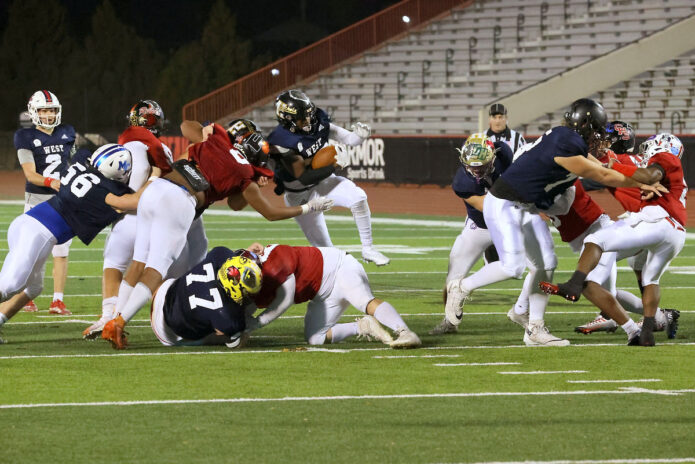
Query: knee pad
[[360, 204], [514, 270], [33, 290]]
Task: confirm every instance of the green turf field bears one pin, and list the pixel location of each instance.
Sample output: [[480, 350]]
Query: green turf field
[[475, 396]]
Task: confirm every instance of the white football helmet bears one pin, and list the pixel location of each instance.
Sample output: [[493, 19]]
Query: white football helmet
[[660, 143], [44, 99], [113, 161]]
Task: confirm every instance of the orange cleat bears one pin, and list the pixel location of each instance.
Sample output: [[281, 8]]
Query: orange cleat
[[30, 307], [58, 307], [560, 290], [113, 332]]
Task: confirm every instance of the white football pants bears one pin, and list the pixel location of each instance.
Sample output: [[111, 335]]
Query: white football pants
[[468, 247]]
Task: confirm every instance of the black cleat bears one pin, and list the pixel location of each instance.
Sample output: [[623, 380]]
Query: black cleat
[[560, 290]]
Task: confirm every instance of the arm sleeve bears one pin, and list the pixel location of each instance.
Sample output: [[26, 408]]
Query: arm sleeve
[[284, 297], [314, 176], [141, 165], [344, 135], [25, 156]]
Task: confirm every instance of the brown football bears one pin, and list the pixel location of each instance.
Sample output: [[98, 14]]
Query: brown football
[[324, 157]]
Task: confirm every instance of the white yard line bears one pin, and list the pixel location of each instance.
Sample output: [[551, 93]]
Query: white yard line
[[615, 381], [622, 391], [595, 461], [540, 372], [480, 364]]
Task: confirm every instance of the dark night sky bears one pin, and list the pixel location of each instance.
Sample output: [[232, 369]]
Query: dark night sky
[[172, 23]]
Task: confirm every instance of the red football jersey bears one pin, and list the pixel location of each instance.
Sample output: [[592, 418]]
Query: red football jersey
[[281, 261], [673, 201], [583, 212], [629, 198], [158, 154], [227, 170]]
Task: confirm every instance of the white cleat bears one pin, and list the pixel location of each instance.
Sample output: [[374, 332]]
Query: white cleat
[[455, 297], [370, 255], [521, 319], [444, 327], [599, 324], [406, 338], [94, 331], [370, 328], [537, 334]]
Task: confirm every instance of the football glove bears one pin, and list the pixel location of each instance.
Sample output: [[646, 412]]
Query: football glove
[[362, 130], [317, 205], [342, 158]]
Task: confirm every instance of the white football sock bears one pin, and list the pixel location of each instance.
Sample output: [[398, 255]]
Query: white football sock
[[3, 319], [108, 305], [537, 300], [340, 332], [629, 301], [141, 294], [521, 305], [58, 296], [630, 327], [486, 275], [388, 316], [363, 221], [124, 291]]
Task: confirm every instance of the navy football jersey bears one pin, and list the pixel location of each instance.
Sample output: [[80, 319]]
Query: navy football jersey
[[534, 176], [51, 152], [465, 185], [196, 304], [79, 207]]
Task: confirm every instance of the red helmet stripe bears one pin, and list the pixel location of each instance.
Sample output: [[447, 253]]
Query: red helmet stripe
[[47, 94]]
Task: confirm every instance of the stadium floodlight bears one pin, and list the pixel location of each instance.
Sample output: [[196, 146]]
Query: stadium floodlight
[[275, 72], [406, 19]]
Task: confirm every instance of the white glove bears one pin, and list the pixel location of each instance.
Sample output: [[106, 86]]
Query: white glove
[[342, 158], [361, 130], [316, 205]]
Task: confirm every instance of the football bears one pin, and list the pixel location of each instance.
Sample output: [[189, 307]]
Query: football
[[324, 157]]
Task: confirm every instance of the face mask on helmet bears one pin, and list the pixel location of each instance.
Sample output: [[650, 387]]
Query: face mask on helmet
[[240, 278], [248, 139], [621, 137], [295, 112], [147, 114], [588, 119], [44, 109], [114, 161], [478, 156], [661, 143]]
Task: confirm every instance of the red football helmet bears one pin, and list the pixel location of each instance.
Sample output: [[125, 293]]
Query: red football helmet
[[147, 114]]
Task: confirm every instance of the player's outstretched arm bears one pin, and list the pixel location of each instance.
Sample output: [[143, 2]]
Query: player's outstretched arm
[[257, 200], [192, 130], [284, 297], [127, 202], [594, 171]]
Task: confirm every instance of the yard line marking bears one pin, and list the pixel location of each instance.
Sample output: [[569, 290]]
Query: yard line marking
[[596, 461], [480, 364], [614, 381], [626, 391], [541, 372], [415, 356]]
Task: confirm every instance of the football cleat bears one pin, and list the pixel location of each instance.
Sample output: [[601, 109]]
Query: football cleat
[[30, 307], [113, 332], [370, 328], [58, 307], [94, 331], [672, 316], [444, 327], [456, 297], [405, 338], [633, 340], [521, 319], [599, 324], [642, 338], [537, 334], [370, 255], [560, 289]]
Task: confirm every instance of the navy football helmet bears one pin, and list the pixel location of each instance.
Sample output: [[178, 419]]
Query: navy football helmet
[[147, 114], [588, 118], [295, 112], [621, 137]]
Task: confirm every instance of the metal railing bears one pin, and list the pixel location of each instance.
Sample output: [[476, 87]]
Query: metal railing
[[309, 61]]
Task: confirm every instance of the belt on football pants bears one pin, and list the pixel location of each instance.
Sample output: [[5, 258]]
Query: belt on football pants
[[676, 225]]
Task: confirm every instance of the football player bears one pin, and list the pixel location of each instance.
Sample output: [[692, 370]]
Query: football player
[[330, 280], [303, 130], [482, 162], [151, 158], [539, 180], [93, 193], [621, 145], [205, 306], [222, 165], [658, 227], [43, 151]]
